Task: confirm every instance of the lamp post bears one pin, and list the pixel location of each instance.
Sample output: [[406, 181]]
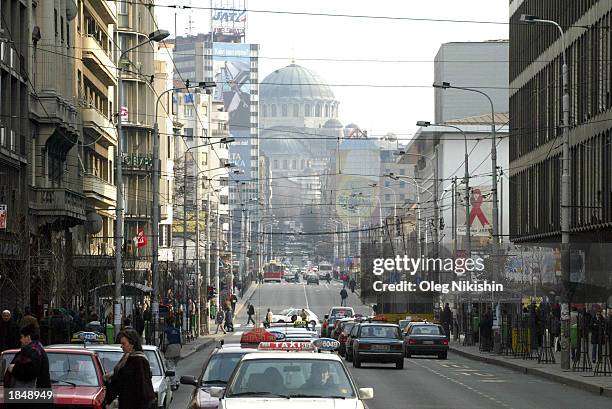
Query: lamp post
[[394, 197], [565, 197], [155, 36]]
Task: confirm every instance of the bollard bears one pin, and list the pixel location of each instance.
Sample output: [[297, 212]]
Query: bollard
[[110, 333]]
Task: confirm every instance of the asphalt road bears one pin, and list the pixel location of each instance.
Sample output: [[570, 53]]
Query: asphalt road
[[424, 383]]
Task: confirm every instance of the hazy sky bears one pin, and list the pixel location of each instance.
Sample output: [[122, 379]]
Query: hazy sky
[[379, 110]]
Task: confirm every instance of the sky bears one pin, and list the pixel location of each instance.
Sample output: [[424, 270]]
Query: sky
[[367, 90]]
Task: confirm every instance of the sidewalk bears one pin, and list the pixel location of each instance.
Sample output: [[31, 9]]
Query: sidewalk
[[601, 385], [242, 302], [199, 344]]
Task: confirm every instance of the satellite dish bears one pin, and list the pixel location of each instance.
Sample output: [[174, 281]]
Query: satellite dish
[[93, 224]]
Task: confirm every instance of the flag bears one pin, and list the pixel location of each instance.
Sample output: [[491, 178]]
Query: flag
[[141, 239], [123, 112]]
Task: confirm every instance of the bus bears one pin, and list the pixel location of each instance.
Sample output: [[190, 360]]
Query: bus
[[324, 270], [274, 271]]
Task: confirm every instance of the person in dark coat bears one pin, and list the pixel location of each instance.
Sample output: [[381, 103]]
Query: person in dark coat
[[250, 313], [130, 380], [30, 366], [597, 331], [8, 332], [446, 319], [229, 320]]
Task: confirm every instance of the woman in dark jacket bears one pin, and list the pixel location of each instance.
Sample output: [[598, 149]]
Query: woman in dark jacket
[[131, 377]]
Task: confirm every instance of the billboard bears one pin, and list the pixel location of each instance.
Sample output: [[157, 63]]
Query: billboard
[[358, 165], [240, 155], [481, 212], [229, 17]]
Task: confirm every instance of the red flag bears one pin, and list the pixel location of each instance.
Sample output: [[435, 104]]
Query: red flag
[[141, 239]]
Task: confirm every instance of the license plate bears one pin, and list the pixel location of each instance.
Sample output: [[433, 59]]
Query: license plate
[[380, 347], [428, 342]]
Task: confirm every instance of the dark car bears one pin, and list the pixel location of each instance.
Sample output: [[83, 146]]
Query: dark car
[[377, 342], [312, 279], [76, 377], [337, 330], [352, 335], [426, 339], [343, 337], [215, 373]]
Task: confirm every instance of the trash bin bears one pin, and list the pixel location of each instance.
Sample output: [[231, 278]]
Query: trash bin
[[110, 334]]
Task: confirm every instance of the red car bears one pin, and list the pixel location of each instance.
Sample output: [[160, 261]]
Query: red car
[[76, 377]]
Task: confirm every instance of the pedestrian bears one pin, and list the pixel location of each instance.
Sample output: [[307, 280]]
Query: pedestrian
[[29, 369], [127, 324], [446, 318], [229, 320], [328, 278], [173, 349], [234, 301], [597, 332], [250, 313], [130, 380], [8, 332], [219, 321], [268, 321], [343, 296], [28, 319], [352, 285]]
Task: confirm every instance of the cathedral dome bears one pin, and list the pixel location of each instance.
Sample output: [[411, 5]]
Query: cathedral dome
[[295, 81]]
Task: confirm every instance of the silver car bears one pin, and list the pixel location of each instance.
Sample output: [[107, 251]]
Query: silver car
[[111, 354]]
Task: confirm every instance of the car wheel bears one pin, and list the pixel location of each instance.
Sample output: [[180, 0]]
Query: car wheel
[[408, 354], [442, 355], [399, 364], [356, 361], [313, 323], [349, 357], [281, 321]]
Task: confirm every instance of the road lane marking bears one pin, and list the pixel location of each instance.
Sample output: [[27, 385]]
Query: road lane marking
[[306, 297], [239, 333]]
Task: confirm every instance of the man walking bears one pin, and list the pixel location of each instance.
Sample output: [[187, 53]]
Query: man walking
[[343, 297], [268, 319], [250, 313], [8, 332], [229, 320], [173, 349], [219, 321], [446, 318]]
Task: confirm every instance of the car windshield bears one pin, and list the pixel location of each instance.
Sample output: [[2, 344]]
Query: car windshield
[[220, 368], [111, 358], [341, 312], [348, 327], [291, 378], [374, 331], [425, 330], [66, 368]]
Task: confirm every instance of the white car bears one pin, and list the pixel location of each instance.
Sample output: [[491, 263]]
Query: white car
[[110, 354], [286, 314], [291, 379]]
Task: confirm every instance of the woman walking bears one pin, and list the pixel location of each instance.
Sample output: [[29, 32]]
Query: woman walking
[[130, 380], [219, 321]]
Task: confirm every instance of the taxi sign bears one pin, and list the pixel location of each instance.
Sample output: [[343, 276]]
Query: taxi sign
[[257, 335], [326, 344], [279, 335], [285, 346], [86, 336]]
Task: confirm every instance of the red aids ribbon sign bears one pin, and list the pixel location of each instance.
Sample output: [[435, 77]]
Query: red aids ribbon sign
[[141, 239], [476, 202]]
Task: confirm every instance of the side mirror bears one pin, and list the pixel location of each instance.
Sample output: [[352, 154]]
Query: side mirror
[[366, 393], [170, 372], [216, 392], [189, 380]]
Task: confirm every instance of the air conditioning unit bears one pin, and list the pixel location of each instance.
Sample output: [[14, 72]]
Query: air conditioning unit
[[2, 136]]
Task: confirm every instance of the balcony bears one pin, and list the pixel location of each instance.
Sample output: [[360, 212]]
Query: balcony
[[100, 191], [100, 64], [59, 202], [95, 121], [107, 10]]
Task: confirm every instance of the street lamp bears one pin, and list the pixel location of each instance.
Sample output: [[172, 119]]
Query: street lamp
[[155, 36], [565, 196], [156, 181], [466, 180], [394, 197]]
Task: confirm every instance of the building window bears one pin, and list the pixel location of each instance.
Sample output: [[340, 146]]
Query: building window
[[307, 110], [188, 132], [284, 109], [326, 111], [402, 184], [402, 171], [387, 197], [318, 111], [403, 196], [188, 111], [302, 164], [123, 7], [296, 110], [264, 110], [273, 114], [294, 164], [387, 183], [285, 164], [275, 164]]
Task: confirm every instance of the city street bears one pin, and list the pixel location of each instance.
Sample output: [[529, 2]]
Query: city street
[[425, 383]]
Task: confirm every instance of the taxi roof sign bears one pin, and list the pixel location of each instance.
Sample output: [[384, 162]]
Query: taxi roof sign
[[257, 335], [286, 346]]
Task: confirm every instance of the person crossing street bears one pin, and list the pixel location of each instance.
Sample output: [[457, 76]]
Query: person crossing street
[[343, 297], [219, 321], [250, 313]]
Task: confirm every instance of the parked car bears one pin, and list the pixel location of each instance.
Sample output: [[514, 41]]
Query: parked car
[[378, 342], [111, 354], [76, 377], [426, 339], [343, 337]]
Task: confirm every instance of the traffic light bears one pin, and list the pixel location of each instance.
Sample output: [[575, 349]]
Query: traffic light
[[211, 293]]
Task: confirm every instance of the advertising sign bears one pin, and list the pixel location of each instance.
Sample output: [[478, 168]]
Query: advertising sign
[[481, 213], [3, 215], [240, 155], [229, 17]]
